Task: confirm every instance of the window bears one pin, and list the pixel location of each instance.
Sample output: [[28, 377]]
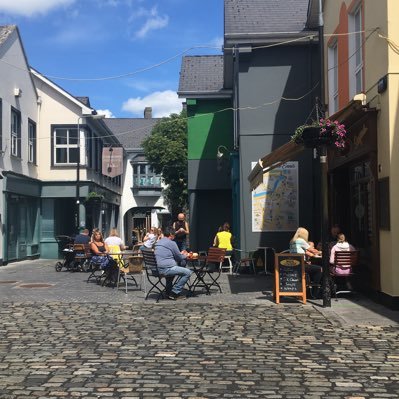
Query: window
[[356, 53], [333, 78], [31, 141], [66, 147], [145, 177], [15, 133]]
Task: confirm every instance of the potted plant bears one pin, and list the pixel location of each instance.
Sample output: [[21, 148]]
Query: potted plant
[[93, 196], [321, 132]]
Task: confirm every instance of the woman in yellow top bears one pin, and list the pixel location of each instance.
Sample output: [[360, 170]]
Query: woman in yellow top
[[224, 239]]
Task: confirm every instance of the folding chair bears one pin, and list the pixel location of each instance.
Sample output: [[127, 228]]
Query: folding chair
[[213, 265], [341, 269], [246, 261], [82, 256], [132, 266], [154, 277]]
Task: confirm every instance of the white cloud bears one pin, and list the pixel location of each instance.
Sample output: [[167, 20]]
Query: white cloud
[[29, 8], [163, 103], [153, 20], [106, 112]]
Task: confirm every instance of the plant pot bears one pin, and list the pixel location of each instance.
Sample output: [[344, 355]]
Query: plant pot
[[312, 138]]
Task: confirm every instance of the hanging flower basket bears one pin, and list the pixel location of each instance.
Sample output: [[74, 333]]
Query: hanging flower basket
[[322, 132], [94, 198]]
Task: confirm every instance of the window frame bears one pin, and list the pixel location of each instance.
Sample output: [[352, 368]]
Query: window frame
[[147, 175], [32, 141], [15, 149], [80, 145], [333, 78], [356, 63]]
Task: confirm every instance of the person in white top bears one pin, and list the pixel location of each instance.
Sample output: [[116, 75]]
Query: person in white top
[[149, 239], [114, 239], [341, 245]]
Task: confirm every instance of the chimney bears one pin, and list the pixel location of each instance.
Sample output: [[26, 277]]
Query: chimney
[[147, 112]]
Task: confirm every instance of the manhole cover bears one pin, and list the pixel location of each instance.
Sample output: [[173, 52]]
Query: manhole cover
[[35, 285], [8, 281]]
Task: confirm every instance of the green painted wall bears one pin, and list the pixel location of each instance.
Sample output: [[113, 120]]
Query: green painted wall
[[207, 128]]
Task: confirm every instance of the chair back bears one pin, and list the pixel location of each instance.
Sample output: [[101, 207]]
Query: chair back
[[81, 250], [344, 261], [215, 255], [135, 264], [150, 262]]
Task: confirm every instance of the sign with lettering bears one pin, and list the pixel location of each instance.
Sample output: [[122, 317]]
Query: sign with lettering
[[289, 276]]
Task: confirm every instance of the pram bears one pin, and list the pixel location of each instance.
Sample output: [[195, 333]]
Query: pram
[[65, 249]]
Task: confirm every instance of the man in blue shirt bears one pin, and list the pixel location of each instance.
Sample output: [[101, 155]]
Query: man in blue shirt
[[168, 258]]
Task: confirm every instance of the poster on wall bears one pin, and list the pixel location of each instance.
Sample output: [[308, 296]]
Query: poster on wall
[[275, 200]]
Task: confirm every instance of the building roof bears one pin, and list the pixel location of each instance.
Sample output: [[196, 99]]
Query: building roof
[[131, 131], [264, 17], [202, 74], [5, 31], [84, 100]]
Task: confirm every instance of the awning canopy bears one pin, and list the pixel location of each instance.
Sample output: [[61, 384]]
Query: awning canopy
[[290, 150]]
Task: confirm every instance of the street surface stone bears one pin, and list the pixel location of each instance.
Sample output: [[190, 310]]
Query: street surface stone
[[74, 339]]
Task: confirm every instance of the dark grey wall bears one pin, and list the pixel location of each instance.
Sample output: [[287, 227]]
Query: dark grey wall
[[209, 209], [265, 76]]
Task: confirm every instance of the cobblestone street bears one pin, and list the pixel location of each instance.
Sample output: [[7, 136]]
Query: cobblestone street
[[226, 345]]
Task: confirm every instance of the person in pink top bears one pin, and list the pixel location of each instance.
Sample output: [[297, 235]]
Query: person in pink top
[[341, 245]]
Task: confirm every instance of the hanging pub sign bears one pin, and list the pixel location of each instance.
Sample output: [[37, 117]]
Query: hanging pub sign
[[289, 276], [112, 161]]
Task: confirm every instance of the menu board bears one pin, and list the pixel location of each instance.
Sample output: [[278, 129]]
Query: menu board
[[289, 276]]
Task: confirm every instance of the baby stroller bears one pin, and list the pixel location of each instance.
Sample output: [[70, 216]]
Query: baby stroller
[[65, 249]]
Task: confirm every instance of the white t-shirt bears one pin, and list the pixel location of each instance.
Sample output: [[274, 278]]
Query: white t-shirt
[[150, 241], [113, 240]]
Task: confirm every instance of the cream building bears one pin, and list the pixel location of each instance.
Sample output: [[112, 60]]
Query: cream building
[[364, 59]]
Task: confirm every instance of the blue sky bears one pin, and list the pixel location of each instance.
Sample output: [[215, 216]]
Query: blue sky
[[97, 39]]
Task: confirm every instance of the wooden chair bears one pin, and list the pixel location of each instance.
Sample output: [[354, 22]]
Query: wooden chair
[[213, 265], [132, 266], [342, 269]]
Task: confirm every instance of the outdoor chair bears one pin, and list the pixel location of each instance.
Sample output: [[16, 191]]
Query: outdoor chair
[[96, 272], [245, 262], [82, 256], [213, 265], [133, 266], [342, 270], [154, 277]]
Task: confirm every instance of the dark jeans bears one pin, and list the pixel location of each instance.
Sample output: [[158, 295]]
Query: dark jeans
[[182, 244], [315, 272]]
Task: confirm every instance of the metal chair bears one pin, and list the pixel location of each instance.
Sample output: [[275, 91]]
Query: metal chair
[[246, 261], [131, 267], [342, 269], [213, 265]]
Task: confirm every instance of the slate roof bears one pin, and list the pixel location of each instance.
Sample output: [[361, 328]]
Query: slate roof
[[131, 131], [201, 74], [264, 16], [84, 100], [5, 31]]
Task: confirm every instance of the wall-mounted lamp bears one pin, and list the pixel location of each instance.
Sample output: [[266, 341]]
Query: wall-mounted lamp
[[17, 92], [222, 150]]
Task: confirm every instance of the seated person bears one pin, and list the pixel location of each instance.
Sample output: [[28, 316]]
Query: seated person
[[312, 251], [99, 249], [341, 245], [299, 245], [150, 239], [82, 237], [114, 239], [168, 258], [224, 239]]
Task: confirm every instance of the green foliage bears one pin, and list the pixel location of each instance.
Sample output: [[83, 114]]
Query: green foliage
[[166, 151]]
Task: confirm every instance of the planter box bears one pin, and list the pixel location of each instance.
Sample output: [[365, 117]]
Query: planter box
[[311, 137]]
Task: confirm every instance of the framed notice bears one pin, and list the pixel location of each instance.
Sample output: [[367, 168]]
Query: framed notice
[[275, 200], [289, 276]]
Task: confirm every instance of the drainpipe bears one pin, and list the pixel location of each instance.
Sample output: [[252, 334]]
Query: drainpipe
[[324, 176]]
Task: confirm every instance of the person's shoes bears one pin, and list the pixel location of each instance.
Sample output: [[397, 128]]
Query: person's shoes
[[175, 297]]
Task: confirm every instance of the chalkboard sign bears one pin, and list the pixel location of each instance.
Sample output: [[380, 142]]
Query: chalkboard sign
[[289, 276]]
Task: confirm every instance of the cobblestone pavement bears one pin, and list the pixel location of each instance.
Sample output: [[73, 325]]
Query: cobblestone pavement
[[118, 346]]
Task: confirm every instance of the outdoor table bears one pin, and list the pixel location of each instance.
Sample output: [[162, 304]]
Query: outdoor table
[[199, 269]]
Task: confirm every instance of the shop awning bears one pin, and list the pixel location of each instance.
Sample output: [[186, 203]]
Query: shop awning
[[280, 155], [290, 150]]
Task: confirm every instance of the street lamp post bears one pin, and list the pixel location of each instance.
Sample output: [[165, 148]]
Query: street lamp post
[[80, 120]]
